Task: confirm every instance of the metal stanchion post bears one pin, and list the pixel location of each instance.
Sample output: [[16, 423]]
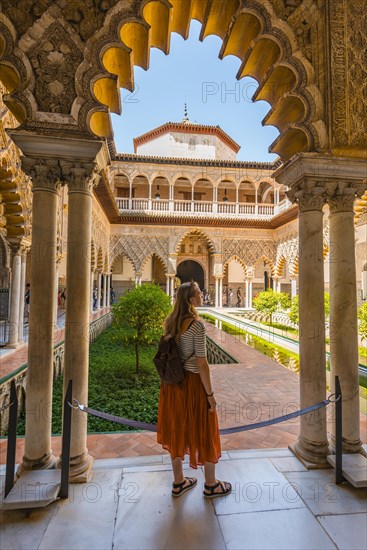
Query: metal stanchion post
[[338, 433], [66, 437], [12, 439]]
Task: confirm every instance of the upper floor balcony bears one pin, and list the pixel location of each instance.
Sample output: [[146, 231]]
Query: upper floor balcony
[[194, 195], [188, 208]]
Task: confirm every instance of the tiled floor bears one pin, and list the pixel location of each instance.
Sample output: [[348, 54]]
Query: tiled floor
[[275, 504], [255, 389]]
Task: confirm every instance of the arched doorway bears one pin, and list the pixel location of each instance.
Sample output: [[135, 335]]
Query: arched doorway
[[189, 270]]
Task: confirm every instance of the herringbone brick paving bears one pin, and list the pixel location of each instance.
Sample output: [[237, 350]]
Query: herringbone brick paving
[[255, 389]]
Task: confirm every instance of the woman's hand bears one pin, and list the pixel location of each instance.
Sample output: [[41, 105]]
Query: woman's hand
[[212, 403]]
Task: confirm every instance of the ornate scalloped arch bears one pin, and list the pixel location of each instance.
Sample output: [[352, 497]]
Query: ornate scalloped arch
[[212, 245], [163, 260], [236, 259], [137, 248], [249, 250], [111, 41]]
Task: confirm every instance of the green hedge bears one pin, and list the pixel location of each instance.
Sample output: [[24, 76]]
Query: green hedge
[[113, 386]]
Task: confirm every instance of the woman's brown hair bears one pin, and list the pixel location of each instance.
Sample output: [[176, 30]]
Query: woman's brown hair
[[182, 309]]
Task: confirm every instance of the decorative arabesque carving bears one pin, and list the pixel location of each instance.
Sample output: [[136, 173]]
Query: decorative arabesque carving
[[287, 248], [100, 236], [249, 251], [54, 59], [86, 16], [138, 248], [348, 22]]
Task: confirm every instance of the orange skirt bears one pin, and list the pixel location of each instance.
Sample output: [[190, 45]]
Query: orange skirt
[[185, 425]]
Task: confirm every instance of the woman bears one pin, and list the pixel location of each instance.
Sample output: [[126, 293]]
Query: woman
[[187, 419]]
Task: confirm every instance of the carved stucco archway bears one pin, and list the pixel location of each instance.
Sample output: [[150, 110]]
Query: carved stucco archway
[[137, 248], [72, 67]]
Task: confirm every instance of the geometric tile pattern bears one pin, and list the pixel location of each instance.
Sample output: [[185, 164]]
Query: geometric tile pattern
[[249, 251], [138, 249]]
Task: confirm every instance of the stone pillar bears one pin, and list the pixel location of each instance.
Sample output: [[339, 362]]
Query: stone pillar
[[104, 299], [37, 451], [108, 290], [91, 291], [99, 290], [137, 279], [15, 292], [250, 294], [343, 314], [216, 292], [221, 292], [130, 193], [167, 285], [172, 286], [21, 297], [56, 305], [80, 177], [293, 287], [313, 178], [312, 443], [247, 296]]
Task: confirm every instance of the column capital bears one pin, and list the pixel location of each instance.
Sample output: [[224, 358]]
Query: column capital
[[342, 196], [308, 199], [80, 177], [45, 173]]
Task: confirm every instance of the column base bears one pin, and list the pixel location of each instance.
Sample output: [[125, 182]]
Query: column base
[[46, 462], [80, 468], [351, 447], [313, 457], [14, 345]]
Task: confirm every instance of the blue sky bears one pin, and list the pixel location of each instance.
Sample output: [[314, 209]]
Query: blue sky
[[193, 73]]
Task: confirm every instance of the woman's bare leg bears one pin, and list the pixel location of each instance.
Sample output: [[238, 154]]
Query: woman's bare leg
[[209, 469], [177, 469]]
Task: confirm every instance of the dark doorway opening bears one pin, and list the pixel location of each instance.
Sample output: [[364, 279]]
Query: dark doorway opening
[[191, 271]]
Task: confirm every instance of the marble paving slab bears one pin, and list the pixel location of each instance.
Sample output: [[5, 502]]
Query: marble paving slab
[[257, 487], [148, 517], [85, 520], [349, 532], [320, 493], [278, 530]]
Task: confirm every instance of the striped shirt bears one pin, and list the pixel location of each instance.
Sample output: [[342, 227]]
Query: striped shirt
[[192, 344]]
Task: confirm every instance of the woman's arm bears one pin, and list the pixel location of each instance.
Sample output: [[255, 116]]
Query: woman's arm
[[204, 373]]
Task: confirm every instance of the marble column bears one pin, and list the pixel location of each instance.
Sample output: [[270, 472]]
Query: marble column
[[91, 291], [15, 291], [80, 177], [216, 292], [172, 287], [104, 299], [313, 178], [37, 450], [250, 294], [108, 290], [167, 285], [344, 357], [293, 287], [21, 297], [220, 291], [56, 305], [247, 296], [312, 445], [99, 290]]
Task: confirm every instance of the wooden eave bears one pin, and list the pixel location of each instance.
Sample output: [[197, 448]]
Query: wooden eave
[[106, 198]]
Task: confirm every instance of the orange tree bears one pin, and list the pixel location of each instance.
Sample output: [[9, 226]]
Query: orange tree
[[269, 302], [139, 315]]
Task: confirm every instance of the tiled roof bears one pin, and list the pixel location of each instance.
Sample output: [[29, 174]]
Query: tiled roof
[[187, 128]]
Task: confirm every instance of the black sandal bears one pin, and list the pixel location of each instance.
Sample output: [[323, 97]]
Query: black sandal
[[192, 482], [210, 492]]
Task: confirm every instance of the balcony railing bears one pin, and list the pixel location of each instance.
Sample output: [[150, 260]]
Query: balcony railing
[[202, 208]]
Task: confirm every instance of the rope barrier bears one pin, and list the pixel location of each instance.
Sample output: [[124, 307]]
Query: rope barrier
[[224, 431]]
